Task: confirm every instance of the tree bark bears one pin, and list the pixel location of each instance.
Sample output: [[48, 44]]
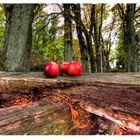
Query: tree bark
[[96, 37], [106, 65], [132, 57], [36, 118], [18, 36], [90, 52], [67, 34], [107, 100]]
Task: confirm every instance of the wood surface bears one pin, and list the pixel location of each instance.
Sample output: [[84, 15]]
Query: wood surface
[[114, 96]]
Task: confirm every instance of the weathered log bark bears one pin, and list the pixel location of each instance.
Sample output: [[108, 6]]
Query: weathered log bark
[[35, 119], [115, 102]]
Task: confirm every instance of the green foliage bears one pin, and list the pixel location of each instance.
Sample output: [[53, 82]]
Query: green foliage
[[2, 25], [120, 53], [47, 44], [54, 51], [98, 13], [76, 50], [2, 28]]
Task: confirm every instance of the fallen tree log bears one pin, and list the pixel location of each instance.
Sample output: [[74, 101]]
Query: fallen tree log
[[117, 102], [36, 118]]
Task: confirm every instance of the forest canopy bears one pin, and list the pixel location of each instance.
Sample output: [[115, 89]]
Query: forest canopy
[[103, 37]]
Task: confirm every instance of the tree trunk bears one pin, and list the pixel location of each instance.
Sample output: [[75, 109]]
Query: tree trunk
[[96, 37], [82, 44], [90, 52], [88, 35], [18, 36], [106, 62], [130, 40], [100, 37], [138, 46], [67, 34]]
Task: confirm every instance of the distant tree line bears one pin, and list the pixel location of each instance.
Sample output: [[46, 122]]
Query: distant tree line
[[30, 36]]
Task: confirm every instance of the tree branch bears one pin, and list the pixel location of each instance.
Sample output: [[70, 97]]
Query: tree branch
[[56, 14], [92, 19], [137, 16], [137, 10], [49, 19], [112, 59], [137, 23], [121, 9], [60, 7], [80, 24]]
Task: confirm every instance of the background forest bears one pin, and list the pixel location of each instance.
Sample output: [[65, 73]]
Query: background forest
[[103, 37]]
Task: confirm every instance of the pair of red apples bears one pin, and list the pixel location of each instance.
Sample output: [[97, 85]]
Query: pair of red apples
[[72, 68]]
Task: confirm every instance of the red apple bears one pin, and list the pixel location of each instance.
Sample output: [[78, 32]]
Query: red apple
[[74, 68], [51, 69], [64, 67]]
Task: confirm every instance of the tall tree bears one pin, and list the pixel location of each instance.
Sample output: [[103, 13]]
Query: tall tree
[[18, 36], [88, 35], [82, 44], [97, 25], [86, 30], [67, 33], [130, 40], [130, 47], [109, 37], [100, 37]]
